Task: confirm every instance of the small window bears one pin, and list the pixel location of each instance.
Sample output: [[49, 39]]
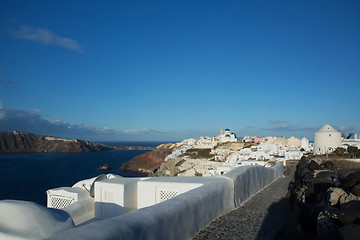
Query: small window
[[329, 134]]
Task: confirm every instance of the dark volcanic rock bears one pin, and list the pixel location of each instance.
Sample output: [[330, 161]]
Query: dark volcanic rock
[[313, 165], [301, 165], [105, 166], [351, 180], [148, 162], [21, 142], [348, 213], [328, 165], [356, 190], [326, 200], [347, 232], [344, 173]]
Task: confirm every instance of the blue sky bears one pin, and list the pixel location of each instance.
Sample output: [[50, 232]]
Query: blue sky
[[169, 70]]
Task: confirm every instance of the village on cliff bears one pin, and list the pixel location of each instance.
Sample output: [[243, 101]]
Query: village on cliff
[[208, 156], [109, 206]]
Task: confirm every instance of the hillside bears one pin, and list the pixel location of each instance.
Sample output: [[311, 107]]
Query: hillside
[[22, 142], [148, 162]]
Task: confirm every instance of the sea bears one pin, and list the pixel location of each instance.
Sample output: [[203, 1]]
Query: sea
[[27, 176]]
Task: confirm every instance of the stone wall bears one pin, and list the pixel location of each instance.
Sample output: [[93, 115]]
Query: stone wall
[[326, 200]]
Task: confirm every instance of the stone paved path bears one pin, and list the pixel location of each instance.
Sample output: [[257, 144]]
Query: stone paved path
[[264, 216]]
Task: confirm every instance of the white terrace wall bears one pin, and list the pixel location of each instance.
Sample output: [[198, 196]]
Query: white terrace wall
[[155, 190], [249, 180], [177, 218], [182, 216]]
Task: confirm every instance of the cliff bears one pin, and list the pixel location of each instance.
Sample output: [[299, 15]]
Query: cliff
[[21, 142], [148, 162], [133, 148]]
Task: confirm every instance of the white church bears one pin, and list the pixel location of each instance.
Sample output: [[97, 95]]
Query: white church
[[226, 136]]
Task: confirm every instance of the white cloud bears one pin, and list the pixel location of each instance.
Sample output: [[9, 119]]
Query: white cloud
[[282, 126], [45, 36], [346, 128], [137, 131], [32, 121], [290, 128], [275, 122]]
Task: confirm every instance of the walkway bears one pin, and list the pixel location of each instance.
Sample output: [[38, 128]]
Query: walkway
[[266, 215]]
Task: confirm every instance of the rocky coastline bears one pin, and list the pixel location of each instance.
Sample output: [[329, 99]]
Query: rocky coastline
[[148, 162], [23, 142], [133, 148]]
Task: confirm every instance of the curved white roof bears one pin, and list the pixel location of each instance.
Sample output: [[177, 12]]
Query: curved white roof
[[327, 128]]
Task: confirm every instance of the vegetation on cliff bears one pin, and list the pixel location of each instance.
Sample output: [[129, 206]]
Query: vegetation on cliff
[[196, 153]]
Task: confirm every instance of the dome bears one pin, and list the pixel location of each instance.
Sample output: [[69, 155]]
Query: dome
[[227, 130], [227, 135], [327, 128]]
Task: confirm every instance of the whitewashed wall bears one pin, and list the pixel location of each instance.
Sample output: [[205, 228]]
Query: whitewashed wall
[[182, 216], [249, 180], [150, 190], [178, 218]]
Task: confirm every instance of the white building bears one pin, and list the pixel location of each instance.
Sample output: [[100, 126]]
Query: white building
[[353, 142], [293, 141], [270, 148], [326, 140], [226, 136], [305, 144], [206, 142], [248, 138], [293, 155], [220, 154]]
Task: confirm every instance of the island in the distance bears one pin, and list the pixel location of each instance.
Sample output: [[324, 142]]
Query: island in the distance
[[23, 142]]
